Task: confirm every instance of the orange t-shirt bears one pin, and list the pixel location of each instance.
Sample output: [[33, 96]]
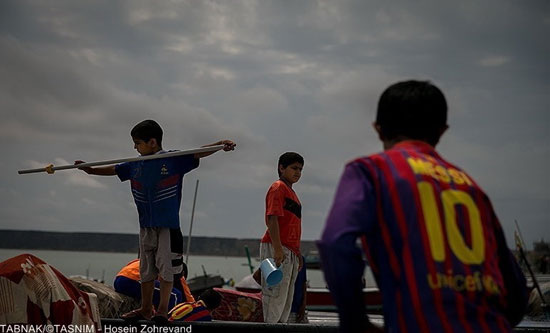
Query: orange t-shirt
[[281, 201], [131, 271]]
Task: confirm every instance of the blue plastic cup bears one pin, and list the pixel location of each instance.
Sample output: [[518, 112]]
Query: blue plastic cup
[[271, 273]]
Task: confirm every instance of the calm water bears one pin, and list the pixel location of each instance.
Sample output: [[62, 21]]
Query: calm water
[[105, 265]]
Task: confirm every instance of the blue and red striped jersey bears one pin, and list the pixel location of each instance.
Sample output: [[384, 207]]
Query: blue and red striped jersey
[[432, 239], [156, 188], [190, 311]]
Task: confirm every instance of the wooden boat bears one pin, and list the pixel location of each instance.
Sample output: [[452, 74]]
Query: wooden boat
[[312, 260], [319, 299], [327, 325], [200, 283]]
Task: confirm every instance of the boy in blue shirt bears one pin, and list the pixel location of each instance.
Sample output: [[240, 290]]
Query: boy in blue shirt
[[156, 187]]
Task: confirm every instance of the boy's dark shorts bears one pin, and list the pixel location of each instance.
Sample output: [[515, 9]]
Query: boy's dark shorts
[[161, 253]]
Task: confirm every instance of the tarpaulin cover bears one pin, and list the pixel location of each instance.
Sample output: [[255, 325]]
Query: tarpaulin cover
[[239, 306], [33, 292]]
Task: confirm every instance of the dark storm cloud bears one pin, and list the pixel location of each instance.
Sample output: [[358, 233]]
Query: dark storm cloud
[[274, 76]]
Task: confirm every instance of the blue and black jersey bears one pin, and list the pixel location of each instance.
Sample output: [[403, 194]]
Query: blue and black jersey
[[156, 187]]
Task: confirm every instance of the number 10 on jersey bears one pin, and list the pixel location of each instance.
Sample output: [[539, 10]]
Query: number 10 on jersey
[[450, 198]]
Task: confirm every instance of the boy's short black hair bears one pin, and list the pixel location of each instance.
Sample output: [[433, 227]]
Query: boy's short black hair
[[413, 109], [288, 158], [211, 298], [147, 130]]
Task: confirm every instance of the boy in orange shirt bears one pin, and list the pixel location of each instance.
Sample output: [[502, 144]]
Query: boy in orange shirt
[[281, 240], [128, 282]]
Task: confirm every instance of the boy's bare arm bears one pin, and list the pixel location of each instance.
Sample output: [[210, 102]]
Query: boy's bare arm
[[228, 146], [273, 228], [100, 171]]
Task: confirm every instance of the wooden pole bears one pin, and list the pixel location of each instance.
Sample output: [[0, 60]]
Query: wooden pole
[[191, 224], [51, 169], [249, 261]]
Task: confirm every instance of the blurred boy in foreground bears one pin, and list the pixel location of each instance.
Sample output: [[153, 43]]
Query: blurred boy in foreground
[[430, 235]]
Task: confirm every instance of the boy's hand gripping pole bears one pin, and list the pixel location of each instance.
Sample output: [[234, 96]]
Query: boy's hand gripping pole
[[51, 168]]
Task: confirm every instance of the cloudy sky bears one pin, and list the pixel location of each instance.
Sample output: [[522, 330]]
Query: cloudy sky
[[274, 76]]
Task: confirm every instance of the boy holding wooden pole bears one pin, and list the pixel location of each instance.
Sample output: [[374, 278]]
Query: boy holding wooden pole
[[156, 187]]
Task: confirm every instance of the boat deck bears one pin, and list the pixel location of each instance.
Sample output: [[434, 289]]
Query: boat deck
[[319, 322]]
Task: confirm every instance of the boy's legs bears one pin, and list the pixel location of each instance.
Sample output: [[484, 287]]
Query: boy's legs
[[277, 300], [297, 311], [148, 243], [165, 293], [147, 298], [169, 261], [295, 262]]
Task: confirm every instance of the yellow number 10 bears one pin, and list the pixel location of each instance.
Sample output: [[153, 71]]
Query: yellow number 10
[[450, 198]]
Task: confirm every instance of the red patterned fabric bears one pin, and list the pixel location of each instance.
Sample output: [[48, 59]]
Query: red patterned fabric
[[239, 306], [33, 292]]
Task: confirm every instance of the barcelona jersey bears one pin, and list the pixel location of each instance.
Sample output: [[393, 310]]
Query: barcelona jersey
[[190, 311], [432, 239], [156, 188]]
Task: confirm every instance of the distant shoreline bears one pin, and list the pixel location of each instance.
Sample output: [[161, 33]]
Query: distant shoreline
[[191, 255], [126, 243], [107, 252]]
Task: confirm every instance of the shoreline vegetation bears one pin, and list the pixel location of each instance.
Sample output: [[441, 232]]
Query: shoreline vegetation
[[127, 243]]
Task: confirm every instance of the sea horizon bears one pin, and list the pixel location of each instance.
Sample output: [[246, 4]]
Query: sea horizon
[[105, 265]]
